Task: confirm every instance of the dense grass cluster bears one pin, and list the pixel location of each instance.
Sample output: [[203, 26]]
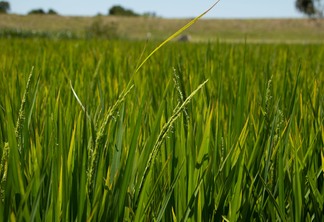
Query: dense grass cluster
[[84, 139], [18, 33]]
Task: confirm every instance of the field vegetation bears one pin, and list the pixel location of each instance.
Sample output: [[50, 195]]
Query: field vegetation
[[137, 28], [212, 131]]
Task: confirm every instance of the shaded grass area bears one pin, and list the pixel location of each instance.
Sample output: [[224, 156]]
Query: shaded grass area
[[258, 30], [76, 146]]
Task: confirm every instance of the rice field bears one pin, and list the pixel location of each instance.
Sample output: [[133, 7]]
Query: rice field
[[202, 132]]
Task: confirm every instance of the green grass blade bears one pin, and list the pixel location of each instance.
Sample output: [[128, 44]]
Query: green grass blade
[[237, 193], [163, 133], [273, 200], [166, 199], [118, 148], [33, 103], [177, 33], [193, 198], [126, 177]]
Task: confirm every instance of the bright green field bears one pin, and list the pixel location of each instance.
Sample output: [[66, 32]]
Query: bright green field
[[92, 141]]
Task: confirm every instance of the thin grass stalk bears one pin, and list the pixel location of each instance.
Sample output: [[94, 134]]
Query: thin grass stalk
[[21, 114], [177, 33], [99, 140], [4, 170], [164, 132]]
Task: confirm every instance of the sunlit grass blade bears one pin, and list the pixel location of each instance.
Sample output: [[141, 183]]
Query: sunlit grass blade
[[79, 101], [177, 33]]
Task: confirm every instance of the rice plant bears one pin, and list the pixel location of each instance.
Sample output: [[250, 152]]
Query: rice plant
[[83, 138]]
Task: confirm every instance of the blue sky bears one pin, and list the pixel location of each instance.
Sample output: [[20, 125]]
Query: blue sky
[[167, 8]]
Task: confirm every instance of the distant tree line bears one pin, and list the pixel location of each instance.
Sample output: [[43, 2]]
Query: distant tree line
[[4, 7], [42, 12], [311, 8], [118, 10]]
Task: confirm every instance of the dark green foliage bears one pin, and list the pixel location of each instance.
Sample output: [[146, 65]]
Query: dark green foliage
[[311, 8], [42, 12], [52, 12], [306, 6], [37, 12], [118, 10], [4, 7]]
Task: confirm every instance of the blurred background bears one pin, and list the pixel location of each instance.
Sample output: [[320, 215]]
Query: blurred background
[[176, 9]]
